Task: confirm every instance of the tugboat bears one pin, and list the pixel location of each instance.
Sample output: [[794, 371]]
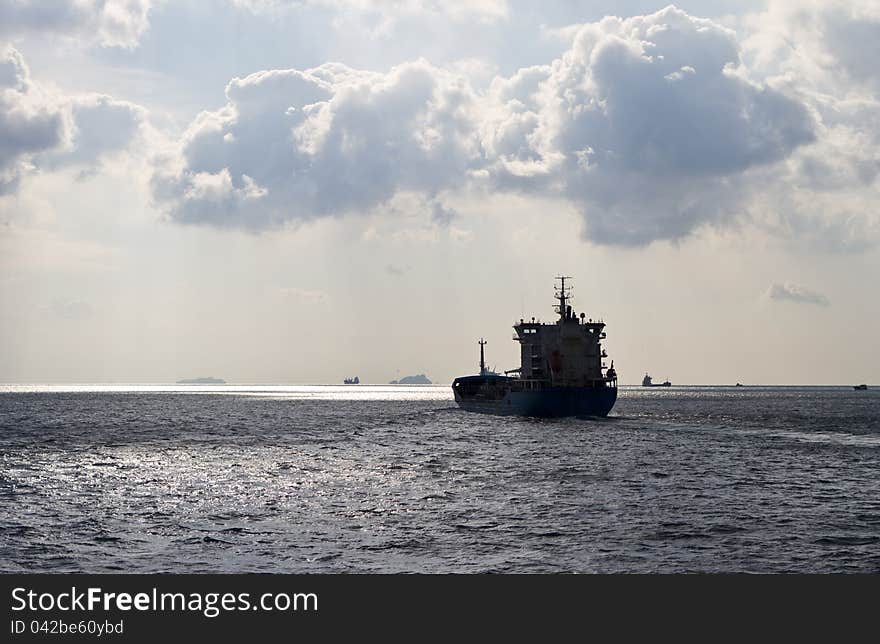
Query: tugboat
[[647, 381], [561, 371]]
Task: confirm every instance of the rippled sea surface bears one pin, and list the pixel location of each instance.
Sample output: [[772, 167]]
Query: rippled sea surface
[[391, 479]]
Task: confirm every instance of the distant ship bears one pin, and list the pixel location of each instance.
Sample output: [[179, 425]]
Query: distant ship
[[860, 387], [561, 370], [202, 381], [352, 381], [648, 382]]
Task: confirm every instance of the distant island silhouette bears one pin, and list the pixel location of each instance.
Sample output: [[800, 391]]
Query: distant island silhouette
[[201, 381], [420, 379]]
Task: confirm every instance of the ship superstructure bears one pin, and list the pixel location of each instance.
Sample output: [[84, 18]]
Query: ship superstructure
[[562, 370]]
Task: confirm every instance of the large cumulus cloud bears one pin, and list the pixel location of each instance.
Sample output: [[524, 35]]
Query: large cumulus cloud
[[651, 125], [299, 144], [30, 121], [42, 128]]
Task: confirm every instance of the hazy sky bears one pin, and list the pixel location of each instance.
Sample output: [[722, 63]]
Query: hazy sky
[[299, 191]]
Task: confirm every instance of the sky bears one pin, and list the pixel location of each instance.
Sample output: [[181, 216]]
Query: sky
[[280, 191]]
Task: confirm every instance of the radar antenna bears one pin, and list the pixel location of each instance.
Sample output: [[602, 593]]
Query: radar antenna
[[563, 295]]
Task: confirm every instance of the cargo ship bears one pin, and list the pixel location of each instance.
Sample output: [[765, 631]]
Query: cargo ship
[[647, 381], [562, 370]]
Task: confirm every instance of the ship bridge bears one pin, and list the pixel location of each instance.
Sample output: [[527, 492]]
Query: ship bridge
[[567, 352]]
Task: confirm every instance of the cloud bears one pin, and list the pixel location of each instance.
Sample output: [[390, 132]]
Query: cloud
[[112, 23], [442, 215], [823, 52], [789, 292], [40, 127], [294, 145], [650, 125], [31, 121], [102, 126], [829, 42], [654, 127]]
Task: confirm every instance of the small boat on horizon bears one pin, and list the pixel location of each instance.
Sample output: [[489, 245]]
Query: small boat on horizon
[[860, 387], [352, 381]]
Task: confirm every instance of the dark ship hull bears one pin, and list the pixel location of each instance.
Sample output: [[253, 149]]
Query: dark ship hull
[[499, 395]]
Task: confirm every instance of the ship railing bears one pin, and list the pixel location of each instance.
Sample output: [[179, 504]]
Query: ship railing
[[532, 383]]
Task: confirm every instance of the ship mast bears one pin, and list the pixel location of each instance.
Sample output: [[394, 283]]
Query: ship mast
[[562, 294], [482, 357]]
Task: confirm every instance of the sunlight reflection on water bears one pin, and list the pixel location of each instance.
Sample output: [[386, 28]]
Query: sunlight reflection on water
[[384, 478], [311, 392]]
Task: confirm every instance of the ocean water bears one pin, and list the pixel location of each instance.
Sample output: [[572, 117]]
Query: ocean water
[[397, 479]]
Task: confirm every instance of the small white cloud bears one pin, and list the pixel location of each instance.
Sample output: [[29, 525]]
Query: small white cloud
[[789, 292], [678, 75]]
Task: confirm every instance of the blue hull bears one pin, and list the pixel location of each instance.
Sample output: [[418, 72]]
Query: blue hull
[[555, 402]]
